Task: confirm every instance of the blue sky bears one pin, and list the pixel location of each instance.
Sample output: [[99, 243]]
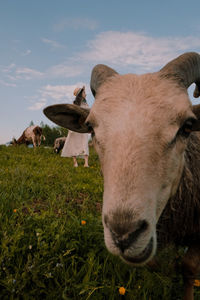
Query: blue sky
[[48, 48]]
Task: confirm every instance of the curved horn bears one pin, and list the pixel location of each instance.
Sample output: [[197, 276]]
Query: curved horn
[[185, 70], [100, 74]]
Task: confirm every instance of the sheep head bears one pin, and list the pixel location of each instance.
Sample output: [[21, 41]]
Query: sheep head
[[141, 125]]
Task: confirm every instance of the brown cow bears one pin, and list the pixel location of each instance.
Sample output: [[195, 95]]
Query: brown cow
[[31, 135]]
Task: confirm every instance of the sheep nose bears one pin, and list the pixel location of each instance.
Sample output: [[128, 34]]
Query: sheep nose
[[124, 235]]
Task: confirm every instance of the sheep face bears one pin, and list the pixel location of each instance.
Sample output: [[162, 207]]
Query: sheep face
[[141, 126]]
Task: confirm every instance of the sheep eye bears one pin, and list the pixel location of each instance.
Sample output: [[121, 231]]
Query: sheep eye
[[90, 128], [186, 129]]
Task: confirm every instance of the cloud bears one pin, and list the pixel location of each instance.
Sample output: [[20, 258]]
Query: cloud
[[137, 49], [9, 68], [59, 93], [76, 24], [53, 94], [11, 74], [27, 52], [126, 51], [38, 105], [2, 82], [65, 70], [52, 43], [6, 77], [27, 73]]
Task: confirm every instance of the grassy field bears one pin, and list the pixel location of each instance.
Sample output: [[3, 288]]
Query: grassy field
[[52, 237]]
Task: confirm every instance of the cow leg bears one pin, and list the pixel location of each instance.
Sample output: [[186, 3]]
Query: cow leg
[[39, 141], [191, 268], [34, 142]]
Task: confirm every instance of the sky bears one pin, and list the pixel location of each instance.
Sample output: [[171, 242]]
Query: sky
[[48, 48]]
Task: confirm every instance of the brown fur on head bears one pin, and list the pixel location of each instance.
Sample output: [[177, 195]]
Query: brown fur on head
[[37, 130]]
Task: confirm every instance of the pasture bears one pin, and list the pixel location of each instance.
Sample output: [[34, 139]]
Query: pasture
[[51, 235]]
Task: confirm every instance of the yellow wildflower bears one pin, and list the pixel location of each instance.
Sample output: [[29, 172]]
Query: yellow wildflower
[[122, 290], [83, 222], [197, 282]]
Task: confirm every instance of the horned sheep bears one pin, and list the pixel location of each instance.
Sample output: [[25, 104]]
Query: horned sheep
[[152, 177]]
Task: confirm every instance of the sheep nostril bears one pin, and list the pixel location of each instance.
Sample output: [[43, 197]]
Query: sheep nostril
[[124, 240]]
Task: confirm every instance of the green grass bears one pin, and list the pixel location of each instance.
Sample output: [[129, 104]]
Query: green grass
[[46, 252]]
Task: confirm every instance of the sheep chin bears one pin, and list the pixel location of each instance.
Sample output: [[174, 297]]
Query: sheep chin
[[144, 257]]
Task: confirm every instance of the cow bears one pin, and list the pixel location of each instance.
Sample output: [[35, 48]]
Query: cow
[[58, 144], [31, 135]]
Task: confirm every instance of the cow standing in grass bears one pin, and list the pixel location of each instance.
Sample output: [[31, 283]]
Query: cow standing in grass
[[31, 135], [59, 144]]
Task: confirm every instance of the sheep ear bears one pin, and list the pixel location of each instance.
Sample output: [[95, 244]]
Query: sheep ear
[[100, 74], [69, 116]]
